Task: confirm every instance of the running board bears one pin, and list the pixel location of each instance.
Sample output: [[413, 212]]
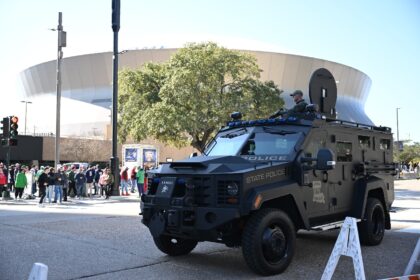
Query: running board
[[330, 226]]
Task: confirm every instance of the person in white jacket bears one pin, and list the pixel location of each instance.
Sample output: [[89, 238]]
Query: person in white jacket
[[29, 180]]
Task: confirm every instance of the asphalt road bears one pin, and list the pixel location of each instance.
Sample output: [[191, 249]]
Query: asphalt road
[[96, 239]]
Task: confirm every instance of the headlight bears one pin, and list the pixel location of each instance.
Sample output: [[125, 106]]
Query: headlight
[[189, 184], [232, 189]]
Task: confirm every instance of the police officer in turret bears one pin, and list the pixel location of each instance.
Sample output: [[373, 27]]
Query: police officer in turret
[[300, 105]]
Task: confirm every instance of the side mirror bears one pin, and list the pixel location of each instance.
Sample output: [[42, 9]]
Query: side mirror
[[193, 154], [325, 160]]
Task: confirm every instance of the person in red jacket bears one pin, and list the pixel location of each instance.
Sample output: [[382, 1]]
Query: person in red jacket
[[3, 179], [124, 181], [133, 179], [145, 179]]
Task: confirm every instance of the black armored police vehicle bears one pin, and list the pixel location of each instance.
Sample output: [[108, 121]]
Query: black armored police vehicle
[[260, 181]]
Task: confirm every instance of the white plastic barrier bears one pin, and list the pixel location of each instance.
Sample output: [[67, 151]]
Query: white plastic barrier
[[347, 244], [414, 260], [39, 272]]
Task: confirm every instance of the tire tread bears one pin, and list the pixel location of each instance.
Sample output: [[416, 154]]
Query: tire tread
[[250, 235], [364, 227]]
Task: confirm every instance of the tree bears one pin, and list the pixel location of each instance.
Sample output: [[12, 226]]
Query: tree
[[188, 98], [410, 153]]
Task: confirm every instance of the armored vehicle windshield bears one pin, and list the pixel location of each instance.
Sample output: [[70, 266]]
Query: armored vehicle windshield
[[255, 141]]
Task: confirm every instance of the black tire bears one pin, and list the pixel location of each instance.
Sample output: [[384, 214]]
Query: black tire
[[174, 246], [372, 228], [268, 241]]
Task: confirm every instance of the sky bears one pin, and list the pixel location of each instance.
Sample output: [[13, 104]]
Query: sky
[[378, 37]]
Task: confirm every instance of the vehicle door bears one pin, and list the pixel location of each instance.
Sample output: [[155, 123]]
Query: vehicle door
[[314, 187], [340, 182]]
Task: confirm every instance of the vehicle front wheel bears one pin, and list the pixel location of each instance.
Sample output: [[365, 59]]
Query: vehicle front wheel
[[174, 246], [268, 241], [372, 228]]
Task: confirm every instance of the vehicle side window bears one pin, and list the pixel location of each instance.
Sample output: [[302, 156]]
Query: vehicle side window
[[364, 142], [384, 144], [313, 147], [344, 151]]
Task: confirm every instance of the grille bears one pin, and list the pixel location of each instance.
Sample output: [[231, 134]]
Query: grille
[[200, 194], [202, 190], [152, 185]]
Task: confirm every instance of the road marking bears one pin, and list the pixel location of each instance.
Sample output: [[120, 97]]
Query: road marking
[[412, 229]]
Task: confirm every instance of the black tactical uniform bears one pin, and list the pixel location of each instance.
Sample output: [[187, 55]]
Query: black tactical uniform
[[299, 107]]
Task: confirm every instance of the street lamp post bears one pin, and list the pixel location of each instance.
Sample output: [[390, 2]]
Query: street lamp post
[[398, 132], [62, 42], [116, 4], [398, 143], [26, 110]]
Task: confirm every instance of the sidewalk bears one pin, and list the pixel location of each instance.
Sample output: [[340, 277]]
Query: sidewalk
[[112, 207], [74, 201], [405, 211]]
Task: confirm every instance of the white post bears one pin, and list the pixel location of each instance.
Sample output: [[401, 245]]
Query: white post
[[414, 259], [39, 272]]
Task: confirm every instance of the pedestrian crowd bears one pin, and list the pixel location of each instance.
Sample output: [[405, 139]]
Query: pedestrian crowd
[[411, 167], [55, 186]]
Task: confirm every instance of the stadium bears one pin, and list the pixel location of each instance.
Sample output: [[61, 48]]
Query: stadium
[[87, 87], [88, 79]]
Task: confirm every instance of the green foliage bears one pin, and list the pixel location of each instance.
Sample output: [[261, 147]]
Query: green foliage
[[187, 99], [138, 91], [410, 153]]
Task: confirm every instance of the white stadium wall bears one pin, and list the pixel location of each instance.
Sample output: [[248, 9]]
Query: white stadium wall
[[88, 79]]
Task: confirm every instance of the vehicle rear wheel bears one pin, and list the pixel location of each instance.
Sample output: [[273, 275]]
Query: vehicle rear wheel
[[372, 228], [174, 246], [268, 241]]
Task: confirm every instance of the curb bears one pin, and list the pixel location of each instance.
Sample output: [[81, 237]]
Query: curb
[[72, 201]]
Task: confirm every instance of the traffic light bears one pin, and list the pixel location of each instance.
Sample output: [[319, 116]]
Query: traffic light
[[5, 128], [9, 142], [9, 131], [13, 131]]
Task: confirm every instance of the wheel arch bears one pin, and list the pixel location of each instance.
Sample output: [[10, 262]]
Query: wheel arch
[[284, 196], [378, 193], [365, 188], [288, 205]]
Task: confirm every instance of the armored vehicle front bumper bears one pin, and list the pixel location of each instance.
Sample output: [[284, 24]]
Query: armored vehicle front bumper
[[196, 207], [200, 223]]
